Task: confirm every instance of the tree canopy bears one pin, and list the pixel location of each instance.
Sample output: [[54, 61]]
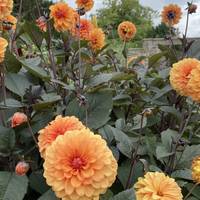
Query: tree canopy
[[116, 11]]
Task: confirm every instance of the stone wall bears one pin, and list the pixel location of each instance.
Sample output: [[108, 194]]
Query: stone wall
[[150, 46]]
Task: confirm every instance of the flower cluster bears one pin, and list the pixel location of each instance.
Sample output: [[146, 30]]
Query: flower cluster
[[78, 164], [184, 78], [67, 19]]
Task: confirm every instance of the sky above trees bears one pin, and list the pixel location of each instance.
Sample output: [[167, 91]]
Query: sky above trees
[[194, 30]]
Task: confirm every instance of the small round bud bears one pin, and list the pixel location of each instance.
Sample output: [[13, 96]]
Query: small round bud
[[192, 8], [22, 168], [18, 119]]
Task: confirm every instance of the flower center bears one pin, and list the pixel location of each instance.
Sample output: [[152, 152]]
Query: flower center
[[171, 15], [84, 1], [78, 163], [60, 14]]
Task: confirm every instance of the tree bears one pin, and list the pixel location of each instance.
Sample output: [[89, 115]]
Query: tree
[[116, 11], [161, 31]]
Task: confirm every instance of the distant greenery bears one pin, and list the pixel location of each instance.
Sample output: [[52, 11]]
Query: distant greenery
[[116, 11]]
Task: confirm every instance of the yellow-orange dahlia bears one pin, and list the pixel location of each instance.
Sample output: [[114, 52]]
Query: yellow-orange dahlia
[[157, 186], [194, 84], [85, 28], [3, 45], [97, 39], [127, 30], [196, 169], [180, 75], [57, 127], [171, 14], [63, 16], [6, 7], [79, 166], [85, 4], [42, 23], [9, 22]]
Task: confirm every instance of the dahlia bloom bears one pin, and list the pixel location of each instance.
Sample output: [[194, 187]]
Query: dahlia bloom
[[18, 119], [157, 186], [194, 84], [6, 7], [85, 28], [9, 22], [180, 76], [42, 23], [63, 16], [85, 4], [57, 127], [127, 31], [196, 169], [79, 166], [97, 39], [3, 45], [171, 14], [22, 168]]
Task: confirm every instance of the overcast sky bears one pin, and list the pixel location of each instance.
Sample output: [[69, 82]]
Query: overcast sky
[[194, 28]]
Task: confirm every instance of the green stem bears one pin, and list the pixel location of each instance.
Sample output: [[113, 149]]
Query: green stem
[[190, 192]]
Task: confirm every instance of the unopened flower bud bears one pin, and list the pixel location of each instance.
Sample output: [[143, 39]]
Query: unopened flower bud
[[192, 8], [22, 168], [18, 119]]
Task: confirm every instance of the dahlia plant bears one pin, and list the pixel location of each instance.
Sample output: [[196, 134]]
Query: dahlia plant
[[78, 121]]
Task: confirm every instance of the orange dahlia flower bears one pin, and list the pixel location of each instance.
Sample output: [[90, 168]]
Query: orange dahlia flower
[[57, 127], [180, 75], [85, 4], [171, 14], [3, 45], [18, 119], [97, 39], [157, 186], [22, 168], [6, 7], [79, 166], [196, 169], [63, 16], [194, 84], [85, 28], [9, 23], [127, 31], [42, 23]]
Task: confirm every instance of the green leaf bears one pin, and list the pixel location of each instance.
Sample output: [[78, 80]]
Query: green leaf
[[98, 110], [138, 121], [7, 139], [12, 64], [12, 187], [183, 174], [188, 155], [34, 33], [32, 65], [196, 191], [124, 170], [156, 57], [125, 195], [162, 152], [11, 103], [107, 195], [17, 83], [122, 99], [49, 195], [38, 182]]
